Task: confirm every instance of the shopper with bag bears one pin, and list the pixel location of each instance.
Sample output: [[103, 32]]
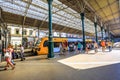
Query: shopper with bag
[[7, 57]]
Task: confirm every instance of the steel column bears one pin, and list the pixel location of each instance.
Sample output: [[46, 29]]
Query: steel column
[[102, 33], [22, 36], [105, 33], [83, 31], [38, 33], [50, 46], [109, 33], [95, 24]]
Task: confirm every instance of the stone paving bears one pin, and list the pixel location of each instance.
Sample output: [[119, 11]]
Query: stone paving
[[71, 66]]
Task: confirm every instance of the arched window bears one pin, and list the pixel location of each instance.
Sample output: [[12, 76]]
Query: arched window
[[17, 31], [24, 32], [30, 32]]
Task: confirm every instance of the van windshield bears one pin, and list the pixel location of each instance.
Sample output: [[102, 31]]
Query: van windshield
[[37, 42]]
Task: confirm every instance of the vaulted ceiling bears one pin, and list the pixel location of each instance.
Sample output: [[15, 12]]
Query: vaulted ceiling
[[66, 14], [107, 12]]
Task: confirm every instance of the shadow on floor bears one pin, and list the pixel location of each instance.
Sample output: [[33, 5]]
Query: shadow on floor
[[53, 70]]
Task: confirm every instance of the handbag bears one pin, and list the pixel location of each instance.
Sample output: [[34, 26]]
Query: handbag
[[7, 54]]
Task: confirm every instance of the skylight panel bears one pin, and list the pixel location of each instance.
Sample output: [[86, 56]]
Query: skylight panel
[[62, 14], [40, 3], [23, 4], [12, 6], [55, 9], [57, 16], [35, 16], [36, 13], [38, 9], [57, 2], [13, 11], [71, 10]]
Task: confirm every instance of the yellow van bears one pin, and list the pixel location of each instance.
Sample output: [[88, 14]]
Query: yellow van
[[42, 48]]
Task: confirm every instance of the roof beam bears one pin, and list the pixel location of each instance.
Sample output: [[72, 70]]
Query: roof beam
[[27, 7], [115, 29], [111, 14], [47, 16], [46, 10], [63, 29], [89, 5], [119, 9], [64, 9], [2, 21], [35, 21], [81, 5], [106, 6], [111, 10], [112, 20], [101, 10], [43, 22], [116, 24]]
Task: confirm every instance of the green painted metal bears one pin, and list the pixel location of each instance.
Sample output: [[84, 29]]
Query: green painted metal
[[108, 31], [83, 31], [38, 32], [105, 32], [50, 47], [95, 24], [22, 36], [102, 33]]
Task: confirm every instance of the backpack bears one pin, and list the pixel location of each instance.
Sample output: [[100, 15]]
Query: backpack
[[102, 44]]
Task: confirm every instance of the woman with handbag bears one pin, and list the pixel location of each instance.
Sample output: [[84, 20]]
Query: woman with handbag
[[7, 57]]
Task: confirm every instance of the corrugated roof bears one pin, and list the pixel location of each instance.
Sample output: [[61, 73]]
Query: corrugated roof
[[66, 13]]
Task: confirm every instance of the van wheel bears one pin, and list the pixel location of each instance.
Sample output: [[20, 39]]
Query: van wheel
[[35, 53], [32, 52]]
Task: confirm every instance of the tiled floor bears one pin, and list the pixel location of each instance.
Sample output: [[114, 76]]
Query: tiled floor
[[99, 66]]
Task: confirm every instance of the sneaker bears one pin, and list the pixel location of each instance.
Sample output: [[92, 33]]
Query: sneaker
[[13, 68], [5, 68], [14, 64]]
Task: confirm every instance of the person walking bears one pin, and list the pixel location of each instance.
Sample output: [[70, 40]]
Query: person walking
[[11, 51], [61, 48], [103, 45], [109, 44], [95, 47], [7, 57], [87, 48], [79, 47], [22, 53]]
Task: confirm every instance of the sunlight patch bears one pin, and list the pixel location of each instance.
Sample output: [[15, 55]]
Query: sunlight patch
[[86, 61], [86, 65]]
